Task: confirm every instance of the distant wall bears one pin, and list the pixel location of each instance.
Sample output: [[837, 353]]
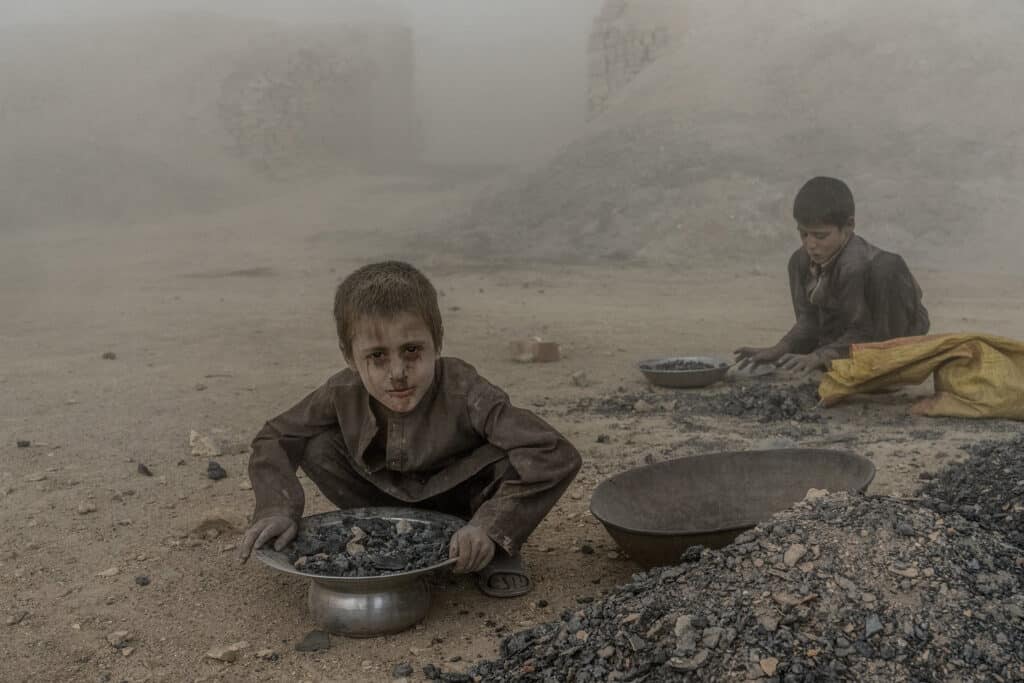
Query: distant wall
[[339, 96], [627, 36]]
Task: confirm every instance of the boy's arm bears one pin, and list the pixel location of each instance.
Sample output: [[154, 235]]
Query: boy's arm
[[544, 465], [803, 336], [278, 449]]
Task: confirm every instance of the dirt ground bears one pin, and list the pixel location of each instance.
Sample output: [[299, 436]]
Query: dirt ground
[[220, 322]]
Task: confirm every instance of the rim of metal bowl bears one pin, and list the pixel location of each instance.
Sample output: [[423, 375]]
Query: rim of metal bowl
[[717, 363], [279, 561]]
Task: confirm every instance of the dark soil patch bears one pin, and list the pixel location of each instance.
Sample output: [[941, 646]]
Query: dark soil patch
[[763, 402], [370, 547]]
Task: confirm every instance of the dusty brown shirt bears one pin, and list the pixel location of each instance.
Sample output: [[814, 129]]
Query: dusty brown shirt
[[425, 452], [865, 295]]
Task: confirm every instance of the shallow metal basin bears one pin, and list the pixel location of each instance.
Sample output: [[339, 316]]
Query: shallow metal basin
[[655, 373], [366, 606], [655, 512]]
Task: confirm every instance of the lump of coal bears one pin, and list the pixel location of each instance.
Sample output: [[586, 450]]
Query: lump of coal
[[370, 547], [215, 471]]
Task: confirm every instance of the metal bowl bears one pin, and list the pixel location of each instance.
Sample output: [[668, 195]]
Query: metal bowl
[[366, 606], [683, 379], [655, 512]]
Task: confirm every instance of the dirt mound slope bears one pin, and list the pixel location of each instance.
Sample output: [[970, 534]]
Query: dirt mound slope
[[699, 157]]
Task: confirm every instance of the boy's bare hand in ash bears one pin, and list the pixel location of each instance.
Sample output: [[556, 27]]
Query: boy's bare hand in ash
[[281, 527], [752, 356], [801, 363], [472, 549]]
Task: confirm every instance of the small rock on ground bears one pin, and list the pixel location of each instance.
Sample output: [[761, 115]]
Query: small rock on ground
[[314, 641]]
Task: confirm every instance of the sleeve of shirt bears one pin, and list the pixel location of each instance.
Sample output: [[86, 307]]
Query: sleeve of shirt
[[803, 336], [278, 449], [543, 465]]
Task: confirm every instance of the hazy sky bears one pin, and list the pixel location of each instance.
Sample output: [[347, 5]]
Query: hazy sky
[[481, 63]]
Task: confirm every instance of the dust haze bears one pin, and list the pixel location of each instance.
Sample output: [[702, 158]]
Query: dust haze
[[183, 184], [609, 129]]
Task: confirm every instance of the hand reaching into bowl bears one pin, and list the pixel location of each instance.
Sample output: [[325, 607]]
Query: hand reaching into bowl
[[471, 548], [281, 527]]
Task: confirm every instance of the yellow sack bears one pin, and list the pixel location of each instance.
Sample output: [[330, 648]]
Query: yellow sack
[[976, 375]]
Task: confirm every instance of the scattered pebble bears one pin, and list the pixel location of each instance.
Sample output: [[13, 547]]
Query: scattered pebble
[[86, 508], [203, 446], [24, 443], [268, 655], [402, 670], [143, 470], [109, 355], [142, 580], [215, 472], [314, 641], [227, 653], [119, 639], [579, 379], [107, 573], [16, 618]]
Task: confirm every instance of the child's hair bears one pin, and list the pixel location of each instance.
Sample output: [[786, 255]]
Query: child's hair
[[383, 290], [823, 201]]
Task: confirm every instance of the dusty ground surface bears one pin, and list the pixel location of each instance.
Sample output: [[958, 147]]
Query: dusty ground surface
[[219, 323]]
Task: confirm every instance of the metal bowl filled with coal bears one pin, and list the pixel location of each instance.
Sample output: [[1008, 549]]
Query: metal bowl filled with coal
[[368, 567], [684, 372], [658, 511]]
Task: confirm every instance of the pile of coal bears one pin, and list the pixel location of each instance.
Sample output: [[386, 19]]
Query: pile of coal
[[765, 402], [987, 488], [680, 365], [370, 547], [839, 588]]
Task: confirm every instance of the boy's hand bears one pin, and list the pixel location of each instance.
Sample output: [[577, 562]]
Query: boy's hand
[[755, 355], [472, 549], [801, 363], [281, 527]]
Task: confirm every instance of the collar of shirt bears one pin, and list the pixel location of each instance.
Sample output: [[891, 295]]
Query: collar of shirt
[[388, 428]]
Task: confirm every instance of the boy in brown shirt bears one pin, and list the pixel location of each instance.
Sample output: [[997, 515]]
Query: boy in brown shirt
[[844, 289], [403, 426]]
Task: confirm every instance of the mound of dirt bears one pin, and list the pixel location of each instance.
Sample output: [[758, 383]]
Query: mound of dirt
[[698, 158], [838, 588]]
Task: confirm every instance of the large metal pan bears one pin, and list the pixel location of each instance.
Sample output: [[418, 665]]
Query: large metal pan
[[655, 512]]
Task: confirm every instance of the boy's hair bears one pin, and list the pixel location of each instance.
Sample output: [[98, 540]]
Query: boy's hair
[[383, 290], [824, 201]]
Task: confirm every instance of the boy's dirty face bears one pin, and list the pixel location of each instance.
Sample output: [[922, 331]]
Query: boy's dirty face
[[822, 241], [395, 358]]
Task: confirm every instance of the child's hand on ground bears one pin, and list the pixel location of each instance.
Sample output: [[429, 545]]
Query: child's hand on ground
[[281, 527], [755, 355], [801, 363], [472, 549]]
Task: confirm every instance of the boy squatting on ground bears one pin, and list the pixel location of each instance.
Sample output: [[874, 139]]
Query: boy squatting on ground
[[404, 427], [845, 290]]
